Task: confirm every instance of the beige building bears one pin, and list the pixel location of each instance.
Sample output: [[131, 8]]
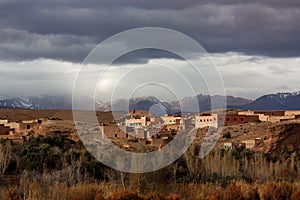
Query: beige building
[[141, 122], [291, 112], [206, 121], [273, 116], [250, 144], [171, 119]]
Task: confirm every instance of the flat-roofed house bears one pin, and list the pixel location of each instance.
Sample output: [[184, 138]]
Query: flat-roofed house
[[206, 120]]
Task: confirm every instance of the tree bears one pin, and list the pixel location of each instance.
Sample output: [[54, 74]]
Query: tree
[[5, 156]]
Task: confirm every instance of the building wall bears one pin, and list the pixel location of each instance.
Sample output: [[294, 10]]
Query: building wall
[[3, 121], [249, 144], [239, 119], [228, 145], [14, 125], [4, 130], [170, 127], [206, 121], [246, 112], [292, 112], [167, 119], [143, 121], [141, 133], [271, 112], [281, 118], [113, 131]]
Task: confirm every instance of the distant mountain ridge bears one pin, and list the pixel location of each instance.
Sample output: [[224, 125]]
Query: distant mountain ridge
[[278, 101], [51, 102]]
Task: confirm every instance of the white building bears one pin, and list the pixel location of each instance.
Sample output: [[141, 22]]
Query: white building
[[137, 123]]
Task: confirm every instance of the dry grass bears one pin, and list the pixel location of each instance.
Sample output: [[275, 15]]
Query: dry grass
[[113, 191]]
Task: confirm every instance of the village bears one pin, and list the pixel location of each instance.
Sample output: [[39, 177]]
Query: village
[[157, 131], [141, 127]]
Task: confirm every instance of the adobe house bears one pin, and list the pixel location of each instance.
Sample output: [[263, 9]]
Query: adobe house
[[250, 144], [206, 120], [215, 120], [292, 112], [234, 119], [270, 112], [273, 116], [171, 119], [4, 130], [137, 123], [113, 131]]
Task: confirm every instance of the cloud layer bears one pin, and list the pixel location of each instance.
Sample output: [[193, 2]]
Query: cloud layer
[[246, 76], [68, 30]]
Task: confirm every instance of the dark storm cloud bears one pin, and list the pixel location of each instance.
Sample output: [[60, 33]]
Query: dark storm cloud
[[68, 29]]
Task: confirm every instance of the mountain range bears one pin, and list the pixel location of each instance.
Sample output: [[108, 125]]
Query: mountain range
[[278, 101]]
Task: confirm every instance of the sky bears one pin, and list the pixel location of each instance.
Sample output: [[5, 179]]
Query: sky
[[254, 45]]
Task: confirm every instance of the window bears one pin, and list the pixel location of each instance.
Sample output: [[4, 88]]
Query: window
[[200, 120], [242, 119], [234, 119], [116, 135], [227, 119], [126, 135]]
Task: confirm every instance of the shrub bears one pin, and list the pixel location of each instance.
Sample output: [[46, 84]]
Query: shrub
[[124, 195], [295, 195], [154, 196], [12, 194], [272, 191], [173, 197], [227, 135], [253, 194], [233, 191]]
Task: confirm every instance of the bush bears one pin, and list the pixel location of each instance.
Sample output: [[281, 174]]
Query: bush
[[12, 194], [295, 195], [125, 195], [253, 194], [272, 191], [233, 191], [227, 135]]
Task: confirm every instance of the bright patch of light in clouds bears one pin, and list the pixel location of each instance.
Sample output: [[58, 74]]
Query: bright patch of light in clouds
[[243, 75]]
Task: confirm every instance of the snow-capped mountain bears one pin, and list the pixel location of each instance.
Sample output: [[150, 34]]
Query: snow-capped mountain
[[279, 101], [141, 103], [15, 102], [40, 102]]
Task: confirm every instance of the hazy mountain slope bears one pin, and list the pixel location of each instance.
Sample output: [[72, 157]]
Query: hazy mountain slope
[[279, 101]]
